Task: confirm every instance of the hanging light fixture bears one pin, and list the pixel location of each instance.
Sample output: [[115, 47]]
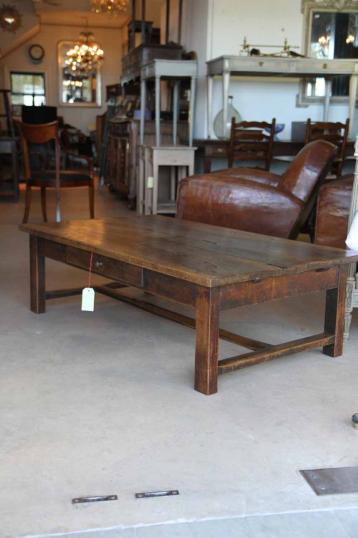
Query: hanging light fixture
[[10, 18], [85, 56], [113, 7]]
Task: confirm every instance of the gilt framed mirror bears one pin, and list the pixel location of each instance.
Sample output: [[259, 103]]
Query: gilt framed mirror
[[331, 32], [78, 87]]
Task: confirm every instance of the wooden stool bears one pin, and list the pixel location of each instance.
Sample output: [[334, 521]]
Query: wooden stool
[[180, 159]]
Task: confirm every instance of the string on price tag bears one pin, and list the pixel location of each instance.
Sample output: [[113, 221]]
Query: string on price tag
[[88, 294]]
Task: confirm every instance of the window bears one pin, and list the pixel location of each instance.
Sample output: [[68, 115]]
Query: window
[[28, 88]]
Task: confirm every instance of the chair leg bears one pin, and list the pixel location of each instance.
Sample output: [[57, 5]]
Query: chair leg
[[43, 203], [91, 199], [28, 193]]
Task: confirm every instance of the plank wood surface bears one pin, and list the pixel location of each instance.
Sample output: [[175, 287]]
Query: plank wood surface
[[199, 253], [207, 267]]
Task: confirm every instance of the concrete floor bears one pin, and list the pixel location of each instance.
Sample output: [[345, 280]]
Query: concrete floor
[[103, 403]]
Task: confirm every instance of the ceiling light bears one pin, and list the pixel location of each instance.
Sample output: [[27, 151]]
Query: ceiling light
[[113, 7], [10, 18]]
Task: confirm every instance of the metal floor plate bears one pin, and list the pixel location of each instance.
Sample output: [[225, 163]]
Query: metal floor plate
[[332, 481]]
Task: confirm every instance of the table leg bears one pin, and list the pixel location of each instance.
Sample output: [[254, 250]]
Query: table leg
[[155, 189], [37, 277], [191, 109], [143, 101], [157, 111], [175, 111], [210, 82], [335, 314], [226, 85], [353, 87], [207, 341]]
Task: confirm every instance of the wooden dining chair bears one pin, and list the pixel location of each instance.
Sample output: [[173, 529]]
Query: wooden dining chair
[[251, 141], [45, 175], [334, 132]]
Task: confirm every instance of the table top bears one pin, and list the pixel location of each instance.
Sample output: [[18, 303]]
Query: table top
[[199, 253], [281, 66]]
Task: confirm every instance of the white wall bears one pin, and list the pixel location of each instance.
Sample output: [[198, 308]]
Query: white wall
[[49, 36], [195, 37], [218, 27]]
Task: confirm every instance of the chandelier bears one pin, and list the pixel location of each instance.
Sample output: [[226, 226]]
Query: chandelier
[[114, 7], [85, 56], [10, 18]]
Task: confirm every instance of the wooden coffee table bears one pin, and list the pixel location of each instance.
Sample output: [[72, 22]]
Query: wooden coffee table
[[207, 267]]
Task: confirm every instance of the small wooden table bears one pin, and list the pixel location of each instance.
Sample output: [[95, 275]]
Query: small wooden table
[[207, 267]]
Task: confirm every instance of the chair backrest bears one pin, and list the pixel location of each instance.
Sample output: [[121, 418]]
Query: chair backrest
[[334, 132], [251, 141], [308, 169], [41, 134], [38, 114]]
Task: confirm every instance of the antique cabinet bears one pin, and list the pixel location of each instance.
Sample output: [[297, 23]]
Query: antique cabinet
[[123, 151]]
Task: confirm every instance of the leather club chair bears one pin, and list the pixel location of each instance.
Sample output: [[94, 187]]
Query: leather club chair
[[333, 205], [255, 200]]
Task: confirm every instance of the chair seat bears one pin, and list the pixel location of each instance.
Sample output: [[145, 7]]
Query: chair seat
[[68, 178]]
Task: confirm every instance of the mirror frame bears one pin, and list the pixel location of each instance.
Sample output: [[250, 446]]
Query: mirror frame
[[61, 103], [308, 7]]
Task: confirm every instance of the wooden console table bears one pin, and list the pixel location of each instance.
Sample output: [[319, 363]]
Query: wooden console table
[[209, 268], [264, 66], [212, 148]]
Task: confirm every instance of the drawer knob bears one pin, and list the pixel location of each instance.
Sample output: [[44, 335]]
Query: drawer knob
[[98, 264]]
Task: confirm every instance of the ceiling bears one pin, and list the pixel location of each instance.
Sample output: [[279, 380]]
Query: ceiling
[[63, 5], [70, 11]]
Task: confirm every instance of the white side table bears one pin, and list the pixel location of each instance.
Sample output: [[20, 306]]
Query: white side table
[[175, 70], [180, 159]]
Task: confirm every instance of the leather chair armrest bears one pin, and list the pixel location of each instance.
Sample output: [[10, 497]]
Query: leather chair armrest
[[239, 204], [250, 174]]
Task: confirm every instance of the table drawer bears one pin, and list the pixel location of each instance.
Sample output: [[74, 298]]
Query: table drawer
[[101, 265]]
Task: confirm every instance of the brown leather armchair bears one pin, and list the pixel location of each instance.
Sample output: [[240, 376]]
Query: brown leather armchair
[[333, 205], [255, 200]]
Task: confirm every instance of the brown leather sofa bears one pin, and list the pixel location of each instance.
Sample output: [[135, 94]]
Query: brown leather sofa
[[256, 200], [332, 214]]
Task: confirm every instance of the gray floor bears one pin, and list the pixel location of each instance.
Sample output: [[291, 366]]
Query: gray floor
[[103, 403]]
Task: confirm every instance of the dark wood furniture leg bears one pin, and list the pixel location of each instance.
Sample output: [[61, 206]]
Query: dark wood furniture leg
[[334, 318], [37, 277], [207, 340], [91, 199], [43, 203], [28, 194]]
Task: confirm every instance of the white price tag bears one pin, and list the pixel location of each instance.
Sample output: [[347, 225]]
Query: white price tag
[[88, 299], [150, 182]]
